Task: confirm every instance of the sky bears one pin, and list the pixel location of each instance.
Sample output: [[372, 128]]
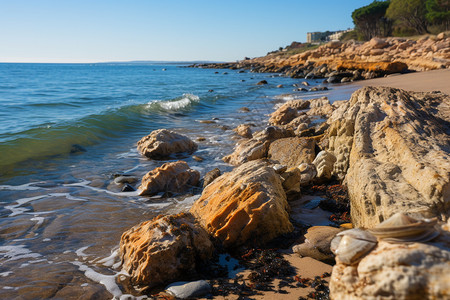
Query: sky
[[58, 31]]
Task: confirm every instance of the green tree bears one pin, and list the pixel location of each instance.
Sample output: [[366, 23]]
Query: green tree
[[438, 12], [370, 20], [409, 13]]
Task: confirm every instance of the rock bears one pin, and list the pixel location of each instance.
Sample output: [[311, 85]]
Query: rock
[[334, 44], [244, 131], [244, 109], [317, 243], [441, 36], [127, 188], [324, 163], [248, 150], [377, 43], [396, 271], [397, 153], [279, 86], [296, 104], [283, 115], [164, 249], [272, 133], [188, 290], [210, 176], [318, 102], [246, 206], [170, 177], [197, 158], [307, 173], [162, 143], [291, 152], [305, 83], [262, 82], [121, 179], [291, 180]]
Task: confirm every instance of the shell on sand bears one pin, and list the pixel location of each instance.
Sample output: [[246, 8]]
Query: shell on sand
[[352, 245], [402, 228]]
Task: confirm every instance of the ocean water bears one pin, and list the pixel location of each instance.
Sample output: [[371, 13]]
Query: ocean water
[[67, 129]]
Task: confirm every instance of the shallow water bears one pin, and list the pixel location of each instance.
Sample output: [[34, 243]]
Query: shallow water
[[65, 130]]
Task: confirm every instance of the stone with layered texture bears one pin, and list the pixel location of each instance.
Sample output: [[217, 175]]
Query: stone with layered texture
[[393, 147], [246, 206], [396, 271], [244, 130], [283, 115], [173, 177], [292, 152], [162, 143], [165, 249], [317, 243]]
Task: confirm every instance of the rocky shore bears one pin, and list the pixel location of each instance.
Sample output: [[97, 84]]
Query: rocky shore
[[351, 61], [379, 162]]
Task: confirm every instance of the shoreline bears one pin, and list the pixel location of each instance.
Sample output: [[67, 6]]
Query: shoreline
[[425, 81]]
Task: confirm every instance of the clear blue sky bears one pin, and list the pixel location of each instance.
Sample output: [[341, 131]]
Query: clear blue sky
[[112, 30]]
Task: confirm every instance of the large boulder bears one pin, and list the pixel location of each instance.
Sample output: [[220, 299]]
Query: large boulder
[[292, 152], [396, 271], [162, 143], [394, 147], [173, 177], [246, 206], [165, 249]]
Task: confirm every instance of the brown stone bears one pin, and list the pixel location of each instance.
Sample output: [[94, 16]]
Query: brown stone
[[247, 206], [395, 146], [283, 115], [164, 250], [162, 143], [244, 130], [170, 177], [292, 152], [317, 243]]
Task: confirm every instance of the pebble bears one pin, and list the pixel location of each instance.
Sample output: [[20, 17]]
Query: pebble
[[185, 290]]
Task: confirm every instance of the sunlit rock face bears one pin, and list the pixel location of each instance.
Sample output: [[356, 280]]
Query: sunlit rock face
[[392, 148], [245, 206], [165, 249], [162, 143]]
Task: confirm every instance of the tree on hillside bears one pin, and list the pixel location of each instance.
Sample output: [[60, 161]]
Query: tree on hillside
[[410, 13], [438, 13], [370, 20]]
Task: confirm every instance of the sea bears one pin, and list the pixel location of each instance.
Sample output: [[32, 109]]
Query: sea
[[68, 130]]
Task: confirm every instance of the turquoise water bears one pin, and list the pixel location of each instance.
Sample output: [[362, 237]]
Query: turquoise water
[[66, 129]]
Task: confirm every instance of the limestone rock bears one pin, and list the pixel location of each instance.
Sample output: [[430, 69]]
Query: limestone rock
[[377, 43], [396, 271], [291, 180], [210, 176], [189, 290], [324, 163], [317, 243], [307, 173], [318, 102], [291, 152], [272, 133], [170, 177], [397, 147], [244, 131], [162, 143], [248, 150], [245, 206], [283, 115], [165, 249]]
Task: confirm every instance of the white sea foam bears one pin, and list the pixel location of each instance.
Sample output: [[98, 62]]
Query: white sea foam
[[80, 252], [27, 186], [85, 183], [5, 274], [39, 220], [176, 104], [110, 260], [16, 252]]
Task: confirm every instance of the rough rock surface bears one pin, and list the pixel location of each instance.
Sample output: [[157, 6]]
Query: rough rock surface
[[396, 271], [162, 143], [165, 249], [210, 176], [317, 243], [245, 206], [324, 163], [292, 152], [170, 177], [244, 130], [396, 146], [248, 150], [283, 115]]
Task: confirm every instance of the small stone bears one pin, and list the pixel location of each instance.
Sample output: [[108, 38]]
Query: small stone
[[197, 158], [262, 82], [201, 139], [125, 179], [207, 121], [210, 176], [244, 109], [187, 290], [128, 188]]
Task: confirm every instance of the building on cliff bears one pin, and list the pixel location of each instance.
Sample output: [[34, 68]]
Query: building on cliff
[[320, 37]]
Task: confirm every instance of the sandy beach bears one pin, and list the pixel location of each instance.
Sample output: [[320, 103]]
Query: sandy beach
[[428, 81]]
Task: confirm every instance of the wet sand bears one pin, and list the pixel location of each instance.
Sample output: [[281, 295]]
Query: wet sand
[[428, 81]]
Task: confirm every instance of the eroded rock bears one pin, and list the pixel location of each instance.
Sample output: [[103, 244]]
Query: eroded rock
[[317, 243], [162, 143], [170, 177], [396, 144], [245, 206], [164, 249], [292, 152]]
